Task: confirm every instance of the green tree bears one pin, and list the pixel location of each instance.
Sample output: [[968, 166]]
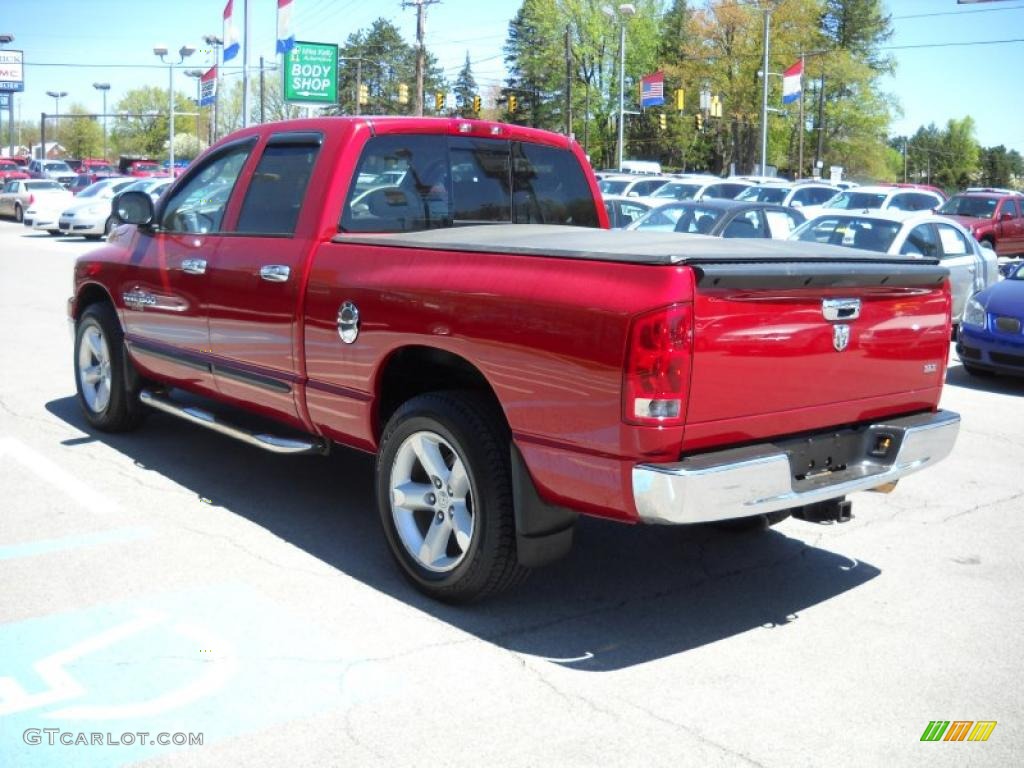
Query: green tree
[[1001, 168], [959, 155], [381, 59], [465, 90], [141, 127], [80, 136]]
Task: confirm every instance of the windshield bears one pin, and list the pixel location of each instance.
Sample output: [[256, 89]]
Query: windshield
[[765, 194], [612, 187], [850, 200], [1016, 273], [58, 167], [978, 207], [851, 232], [42, 186], [678, 191], [8, 167]]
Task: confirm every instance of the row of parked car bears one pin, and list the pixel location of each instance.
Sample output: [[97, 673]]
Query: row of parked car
[[967, 232], [92, 213]]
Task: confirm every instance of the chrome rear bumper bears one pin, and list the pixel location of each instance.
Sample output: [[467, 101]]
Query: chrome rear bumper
[[757, 479]]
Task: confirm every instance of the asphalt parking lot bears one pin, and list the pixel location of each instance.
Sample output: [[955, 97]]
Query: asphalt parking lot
[[172, 581]]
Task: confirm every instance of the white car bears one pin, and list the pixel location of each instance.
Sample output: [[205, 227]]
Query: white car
[[698, 188], [631, 185], [878, 198], [912, 234], [794, 195], [45, 213], [88, 215]]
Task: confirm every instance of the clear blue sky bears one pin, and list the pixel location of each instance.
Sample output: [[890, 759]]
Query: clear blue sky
[[931, 84]]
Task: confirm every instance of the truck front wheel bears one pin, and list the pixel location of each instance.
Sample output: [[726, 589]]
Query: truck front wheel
[[444, 493], [102, 373]]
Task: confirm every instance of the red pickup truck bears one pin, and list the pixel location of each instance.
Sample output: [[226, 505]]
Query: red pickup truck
[[445, 294]]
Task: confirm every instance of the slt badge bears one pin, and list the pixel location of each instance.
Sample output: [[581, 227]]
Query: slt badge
[[840, 336]]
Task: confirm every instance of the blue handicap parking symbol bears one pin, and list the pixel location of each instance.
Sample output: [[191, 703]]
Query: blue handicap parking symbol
[[218, 662]]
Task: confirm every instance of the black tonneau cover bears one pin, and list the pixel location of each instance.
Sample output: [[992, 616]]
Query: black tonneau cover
[[720, 262]]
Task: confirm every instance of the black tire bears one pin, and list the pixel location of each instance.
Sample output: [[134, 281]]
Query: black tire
[[753, 524], [475, 430], [19, 214], [53, 232], [92, 237], [122, 410]]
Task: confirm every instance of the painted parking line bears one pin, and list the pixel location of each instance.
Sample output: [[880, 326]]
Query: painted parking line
[[46, 546], [219, 661], [54, 475]]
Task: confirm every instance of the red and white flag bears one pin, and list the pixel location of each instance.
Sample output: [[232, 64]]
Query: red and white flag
[[791, 82], [285, 35], [230, 35]]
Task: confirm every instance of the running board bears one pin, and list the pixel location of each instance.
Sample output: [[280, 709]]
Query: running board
[[272, 443]]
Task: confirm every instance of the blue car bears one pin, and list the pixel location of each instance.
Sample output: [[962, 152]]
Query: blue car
[[992, 331]]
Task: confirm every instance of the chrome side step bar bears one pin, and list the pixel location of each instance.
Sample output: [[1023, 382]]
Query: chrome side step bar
[[272, 443]]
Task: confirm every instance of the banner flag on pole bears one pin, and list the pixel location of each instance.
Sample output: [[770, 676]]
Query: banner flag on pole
[[230, 35], [791, 82], [285, 35], [652, 90], [208, 87]]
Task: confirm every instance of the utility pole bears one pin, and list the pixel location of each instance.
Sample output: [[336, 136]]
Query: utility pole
[[568, 82], [261, 92], [904, 160], [821, 116], [421, 24], [359, 86]]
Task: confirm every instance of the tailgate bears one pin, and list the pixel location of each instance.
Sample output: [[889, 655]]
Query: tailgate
[[781, 348]]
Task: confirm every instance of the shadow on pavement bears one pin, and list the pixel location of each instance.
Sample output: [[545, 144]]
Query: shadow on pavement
[[625, 594], [957, 376]]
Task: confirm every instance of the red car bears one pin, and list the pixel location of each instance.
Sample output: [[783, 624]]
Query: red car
[[10, 171], [445, 293], [994, 217]]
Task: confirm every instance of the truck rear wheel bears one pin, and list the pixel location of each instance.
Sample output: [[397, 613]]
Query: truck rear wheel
[[444, 493], [102, 373]]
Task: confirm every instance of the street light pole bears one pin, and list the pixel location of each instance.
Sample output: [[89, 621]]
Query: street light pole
[[197, 74], [183, 53], [764, 90], [56, 96], [217, 44], [625, 11], [103, 88]]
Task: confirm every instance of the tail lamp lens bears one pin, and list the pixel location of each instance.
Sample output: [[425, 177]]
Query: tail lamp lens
[[31, 199], [657, 371]]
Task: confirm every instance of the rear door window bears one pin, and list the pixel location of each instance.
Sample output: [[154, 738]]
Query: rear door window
[[746, 224], [278, 186], [401, 185], [549, 187], [921, 242]]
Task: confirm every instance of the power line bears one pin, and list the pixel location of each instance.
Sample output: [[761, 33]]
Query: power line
[[957, 13]]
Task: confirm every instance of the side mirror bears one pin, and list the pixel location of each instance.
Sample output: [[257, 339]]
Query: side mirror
[[796, 204], [986, 244], [135, 208]]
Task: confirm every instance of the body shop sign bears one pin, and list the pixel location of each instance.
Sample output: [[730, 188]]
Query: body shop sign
[[11, 77], [311, 73]]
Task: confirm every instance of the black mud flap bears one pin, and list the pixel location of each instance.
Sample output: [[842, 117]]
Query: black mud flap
[[543, 531]]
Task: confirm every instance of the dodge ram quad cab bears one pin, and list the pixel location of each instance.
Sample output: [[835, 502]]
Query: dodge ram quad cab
[[446, 295]]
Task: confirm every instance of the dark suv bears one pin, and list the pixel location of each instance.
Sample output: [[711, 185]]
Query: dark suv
[[994, 216]]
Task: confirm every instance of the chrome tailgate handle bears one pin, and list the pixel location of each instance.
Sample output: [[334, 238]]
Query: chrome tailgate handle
[[193, 266], [275, 273], [840, 309]]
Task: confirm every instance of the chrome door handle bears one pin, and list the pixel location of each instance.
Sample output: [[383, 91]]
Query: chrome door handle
[[193, 266], [275, 273]]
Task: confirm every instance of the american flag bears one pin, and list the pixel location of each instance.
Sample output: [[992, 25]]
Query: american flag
[[652, 90]]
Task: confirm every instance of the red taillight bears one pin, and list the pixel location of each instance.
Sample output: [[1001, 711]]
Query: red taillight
[[657, 374], [31, 199]]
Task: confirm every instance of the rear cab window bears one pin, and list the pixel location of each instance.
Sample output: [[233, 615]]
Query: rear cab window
[[408, 183], [278, 185]]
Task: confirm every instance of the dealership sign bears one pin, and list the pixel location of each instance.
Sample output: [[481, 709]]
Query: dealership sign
[[311, 73], [12, 76]]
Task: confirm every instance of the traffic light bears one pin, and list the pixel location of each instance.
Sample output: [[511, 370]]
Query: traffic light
[[476, 104], [698, 120], [680, 100], [364, 93], [512, 103], [663, 121], [403, 93], [438, 101]]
